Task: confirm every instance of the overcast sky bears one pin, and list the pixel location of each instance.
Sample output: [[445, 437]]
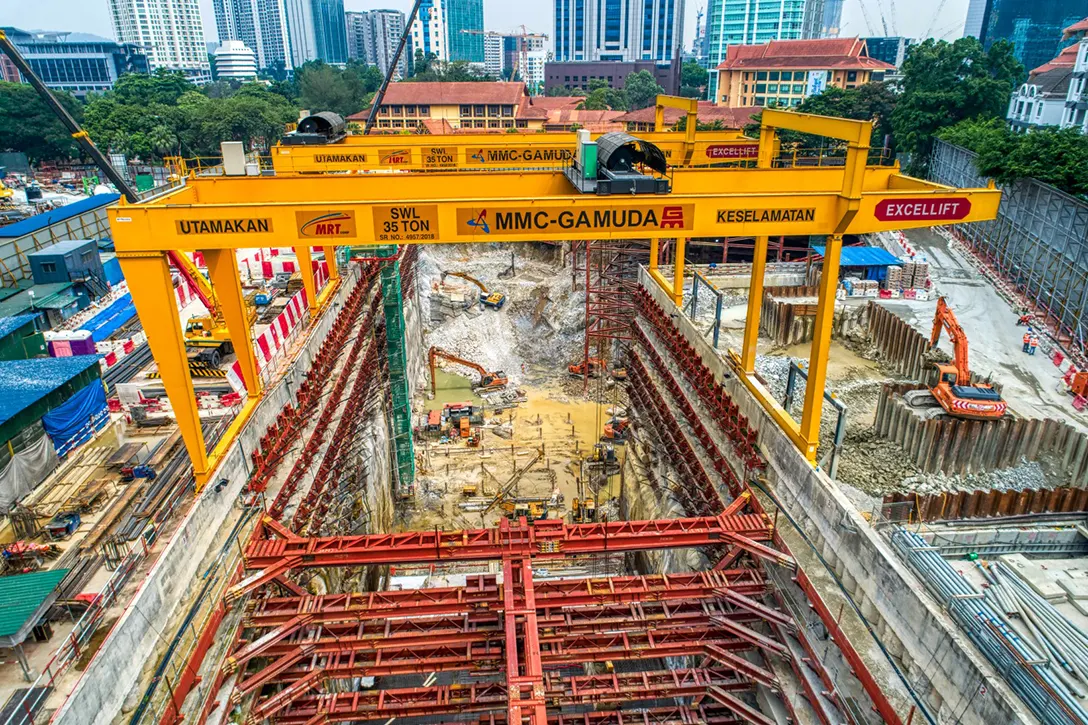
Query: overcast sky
[[914, 18]]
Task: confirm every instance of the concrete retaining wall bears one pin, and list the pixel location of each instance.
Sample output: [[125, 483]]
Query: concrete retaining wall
[[102, 690], [943, 667]]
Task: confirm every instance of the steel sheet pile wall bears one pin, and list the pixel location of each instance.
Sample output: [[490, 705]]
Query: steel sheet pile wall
[[958, 446], [958, 505], [1038, 242], [1034, 671]]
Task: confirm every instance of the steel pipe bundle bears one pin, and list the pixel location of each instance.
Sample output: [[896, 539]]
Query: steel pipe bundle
[[1035, 676]]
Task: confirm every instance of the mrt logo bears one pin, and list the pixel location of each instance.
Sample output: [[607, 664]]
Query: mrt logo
[[672, 217]]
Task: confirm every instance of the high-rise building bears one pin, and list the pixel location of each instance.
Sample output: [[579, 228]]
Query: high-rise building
[[891, 50], [751, 22], [360, 36], [617, 29], [976, 11], [493, 54], [832, 19], [317, 31], [429, 30], [234, 59], [1034, 28], [260, 24], [75, 62], [170, 32], [387, 27], [465, 30]]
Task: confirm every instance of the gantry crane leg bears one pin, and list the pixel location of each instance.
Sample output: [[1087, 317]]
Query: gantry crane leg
[[149, 283]]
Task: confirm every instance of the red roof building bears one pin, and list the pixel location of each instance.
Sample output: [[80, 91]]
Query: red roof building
[[729, 118], [478, 107], [784, 72]]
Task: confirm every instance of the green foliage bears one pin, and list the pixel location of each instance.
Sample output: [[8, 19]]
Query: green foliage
[[871, 102], [602, 97], [163, 86], [439, 71], [1051, 155], [641, 90], [28, 125], [193, 125], [715, 125], [322, 87], [945, 83], [565, 91], [693, 80]]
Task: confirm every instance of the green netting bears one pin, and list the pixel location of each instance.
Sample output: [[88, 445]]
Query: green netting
[[393, 307]]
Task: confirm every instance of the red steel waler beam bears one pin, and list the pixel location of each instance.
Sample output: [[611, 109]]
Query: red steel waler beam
[[548, 539], [559, 692], [480, 594]]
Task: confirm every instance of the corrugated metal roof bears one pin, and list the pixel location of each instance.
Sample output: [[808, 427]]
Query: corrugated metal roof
[[862, 256], [60, 248], [44, 295], [22, 594], [41, 221], [9, 325], [25, 382]]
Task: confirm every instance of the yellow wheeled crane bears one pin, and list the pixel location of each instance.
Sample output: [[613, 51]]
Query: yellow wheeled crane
[[494, 300]]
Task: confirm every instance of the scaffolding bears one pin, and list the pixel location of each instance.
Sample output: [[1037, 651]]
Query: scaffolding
[[399, 389]]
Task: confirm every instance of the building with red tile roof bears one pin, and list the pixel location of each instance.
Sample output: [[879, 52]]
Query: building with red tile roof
[[475, 106], [784, 72], [729, 118]]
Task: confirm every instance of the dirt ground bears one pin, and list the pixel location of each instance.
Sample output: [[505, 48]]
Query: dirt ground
[[532, 339]]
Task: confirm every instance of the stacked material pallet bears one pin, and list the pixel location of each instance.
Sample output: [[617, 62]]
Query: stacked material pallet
[[894, 279]]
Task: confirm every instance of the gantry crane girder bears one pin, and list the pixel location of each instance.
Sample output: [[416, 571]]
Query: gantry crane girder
[[217, 214], [491, 151]]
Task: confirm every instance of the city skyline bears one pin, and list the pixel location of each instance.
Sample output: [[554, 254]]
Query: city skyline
[[92, 16]]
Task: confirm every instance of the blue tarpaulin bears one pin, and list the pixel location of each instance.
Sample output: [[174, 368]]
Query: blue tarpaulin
[[74, 421], [41, 221], [110, 320], [861, 256]]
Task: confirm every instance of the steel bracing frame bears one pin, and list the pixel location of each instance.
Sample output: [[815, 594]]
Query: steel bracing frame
[[520, 642]]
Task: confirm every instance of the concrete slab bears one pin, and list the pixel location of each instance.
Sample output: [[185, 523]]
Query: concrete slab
[[1037, 574], [1075, 587]]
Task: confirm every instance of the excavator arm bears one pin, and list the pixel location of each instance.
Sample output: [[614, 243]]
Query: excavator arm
[[945, 319], [467, 278], [487, 378]]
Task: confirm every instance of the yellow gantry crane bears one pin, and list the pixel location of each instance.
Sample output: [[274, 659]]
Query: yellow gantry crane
[[489, 151], [219, 215]]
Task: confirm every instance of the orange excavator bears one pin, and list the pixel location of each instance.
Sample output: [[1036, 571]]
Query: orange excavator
[[953, 390], [488, 380]]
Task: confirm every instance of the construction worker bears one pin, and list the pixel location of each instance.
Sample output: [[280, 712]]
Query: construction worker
[[1027, 340], [1034, 344]]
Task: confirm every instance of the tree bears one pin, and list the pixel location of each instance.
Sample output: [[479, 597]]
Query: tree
[[567, 91], [27, 124], [641, 90], [602, 97], [870, 102], [944, 83], [163, 86], [457, 71], [693, 80], [1051, 155]]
